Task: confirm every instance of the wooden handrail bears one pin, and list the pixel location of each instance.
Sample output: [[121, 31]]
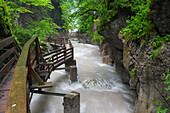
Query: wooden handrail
[[17, 100]]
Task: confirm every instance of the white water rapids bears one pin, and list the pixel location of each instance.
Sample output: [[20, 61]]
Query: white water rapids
[[99, 85]]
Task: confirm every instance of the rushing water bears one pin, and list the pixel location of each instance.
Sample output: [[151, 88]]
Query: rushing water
[[100, 87]]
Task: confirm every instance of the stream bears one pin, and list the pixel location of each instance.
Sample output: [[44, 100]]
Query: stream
[[100, 87]]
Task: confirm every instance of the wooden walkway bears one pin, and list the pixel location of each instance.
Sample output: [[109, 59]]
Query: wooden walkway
[[4, 91], [9, 54], [19, 81]]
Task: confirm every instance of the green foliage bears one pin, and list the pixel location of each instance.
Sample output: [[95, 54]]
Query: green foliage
[[45, 28], [83, 14], [156, 53], [132, 72], [166, 77], [23, 35], [98, 38], [87, 12], [38, 22], [159, 41], [157, 45], [143, 42], [140, 24], [160, 109]]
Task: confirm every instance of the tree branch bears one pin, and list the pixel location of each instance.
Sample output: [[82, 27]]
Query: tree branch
[[88, 11]]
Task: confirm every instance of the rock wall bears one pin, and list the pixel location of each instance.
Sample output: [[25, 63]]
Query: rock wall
[[160, 11], [87, 39], [147, 80], [112, 48]]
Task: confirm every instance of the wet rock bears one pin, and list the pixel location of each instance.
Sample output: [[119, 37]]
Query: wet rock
[[133, 82], [107, 60], [161, 15], [112, 47], [147, 80], [97, 83]]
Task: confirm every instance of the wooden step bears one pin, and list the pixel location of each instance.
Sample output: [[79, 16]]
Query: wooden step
[[46, 85]]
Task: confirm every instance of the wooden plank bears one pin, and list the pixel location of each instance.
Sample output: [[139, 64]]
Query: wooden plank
[[8, 74], [69, 49], [55, 51], [7, 66], [46, 85], [5, 42], [6, 54], [4, 90], [68, 55], [23, 57], [48, 63], [69, 52], [17, 97], [59, 57]]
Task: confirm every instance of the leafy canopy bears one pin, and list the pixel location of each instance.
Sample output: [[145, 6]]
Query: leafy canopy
[[11, 11]]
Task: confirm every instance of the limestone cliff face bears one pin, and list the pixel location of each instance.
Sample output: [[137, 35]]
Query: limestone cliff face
[[147, 80], [112, 48], [160, 11]]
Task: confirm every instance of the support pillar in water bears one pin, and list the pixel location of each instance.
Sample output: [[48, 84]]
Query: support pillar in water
[[68, 63], [73, 73], [72, 103]]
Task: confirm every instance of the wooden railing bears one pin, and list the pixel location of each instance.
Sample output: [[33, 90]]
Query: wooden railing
[[18, 100], [9, 54], [58, 57], [28, 73]]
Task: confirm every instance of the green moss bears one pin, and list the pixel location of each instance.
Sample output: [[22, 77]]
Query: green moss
[[127, 50], [132, 72], [143, 42]]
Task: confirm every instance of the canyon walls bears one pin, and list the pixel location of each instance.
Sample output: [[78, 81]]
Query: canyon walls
[[135, 55]]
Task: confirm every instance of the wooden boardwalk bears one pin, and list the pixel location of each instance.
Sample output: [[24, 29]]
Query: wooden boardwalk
[[4, 91], [32, 70], [19, 81], [9, 54]]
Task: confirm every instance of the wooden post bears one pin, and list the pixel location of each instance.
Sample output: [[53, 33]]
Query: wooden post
[[68, 63], [73, 73], [72, 103]]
